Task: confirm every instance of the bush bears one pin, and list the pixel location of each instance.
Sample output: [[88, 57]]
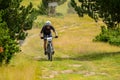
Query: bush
[[10, 46], [115, 41], [109, 35]]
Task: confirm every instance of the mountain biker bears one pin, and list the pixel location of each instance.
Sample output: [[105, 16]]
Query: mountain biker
[[46, 32]]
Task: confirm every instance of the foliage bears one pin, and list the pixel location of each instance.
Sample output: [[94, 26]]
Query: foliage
[[43, 7], [18, 18], [109, 35], [98, 9], [14, 21], [10, 46], [110, 15]]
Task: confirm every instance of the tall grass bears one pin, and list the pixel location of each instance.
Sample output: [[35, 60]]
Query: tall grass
[[21, 68]]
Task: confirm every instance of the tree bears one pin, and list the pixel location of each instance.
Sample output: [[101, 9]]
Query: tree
[[108, 11], [18, 18], [14, 21]]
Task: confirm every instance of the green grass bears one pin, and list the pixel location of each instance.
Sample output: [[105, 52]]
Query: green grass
[[104, 68]]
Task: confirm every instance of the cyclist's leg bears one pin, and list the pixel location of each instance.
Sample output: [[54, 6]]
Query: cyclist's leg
[[45, 42], [53, 47], [45, 46]]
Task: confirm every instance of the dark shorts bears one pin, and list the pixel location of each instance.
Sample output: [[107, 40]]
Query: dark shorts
[[45, 36]]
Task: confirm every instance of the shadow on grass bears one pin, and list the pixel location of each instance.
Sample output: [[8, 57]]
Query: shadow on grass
[[96, 56], [85, 57], [89, 57], [41, 59]]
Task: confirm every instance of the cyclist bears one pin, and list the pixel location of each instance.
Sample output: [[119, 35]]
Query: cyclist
[[46, 32]]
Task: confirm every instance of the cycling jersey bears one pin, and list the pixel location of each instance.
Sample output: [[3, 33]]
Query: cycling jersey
[[46, 30]]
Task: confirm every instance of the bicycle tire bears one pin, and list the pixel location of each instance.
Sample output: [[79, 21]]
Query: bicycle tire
[[49, 51]]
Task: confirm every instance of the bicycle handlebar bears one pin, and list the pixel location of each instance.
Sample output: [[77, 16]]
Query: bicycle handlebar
[[53, 37]]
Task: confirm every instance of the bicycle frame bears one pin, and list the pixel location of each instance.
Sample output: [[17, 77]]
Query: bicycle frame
[[49, 48]]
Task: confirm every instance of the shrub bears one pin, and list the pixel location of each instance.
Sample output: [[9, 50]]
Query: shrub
[[115, 41], [109, 35], [10, 46]]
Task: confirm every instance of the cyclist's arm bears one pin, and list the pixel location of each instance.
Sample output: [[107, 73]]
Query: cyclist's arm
[[56, 34], [41, 32]]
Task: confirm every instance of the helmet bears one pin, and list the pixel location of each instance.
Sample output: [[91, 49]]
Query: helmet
[[48, 23]]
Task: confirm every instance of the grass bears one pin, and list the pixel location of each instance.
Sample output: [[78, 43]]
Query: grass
[[77, 57], [21, 68], [99, 61], [63, 8]]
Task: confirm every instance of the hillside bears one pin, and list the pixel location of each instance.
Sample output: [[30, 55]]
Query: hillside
[[76, 57]]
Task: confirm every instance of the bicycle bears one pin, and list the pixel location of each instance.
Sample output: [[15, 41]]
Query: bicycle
[[50, 48]]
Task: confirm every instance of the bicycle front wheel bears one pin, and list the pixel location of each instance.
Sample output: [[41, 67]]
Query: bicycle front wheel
[[49, 50]]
